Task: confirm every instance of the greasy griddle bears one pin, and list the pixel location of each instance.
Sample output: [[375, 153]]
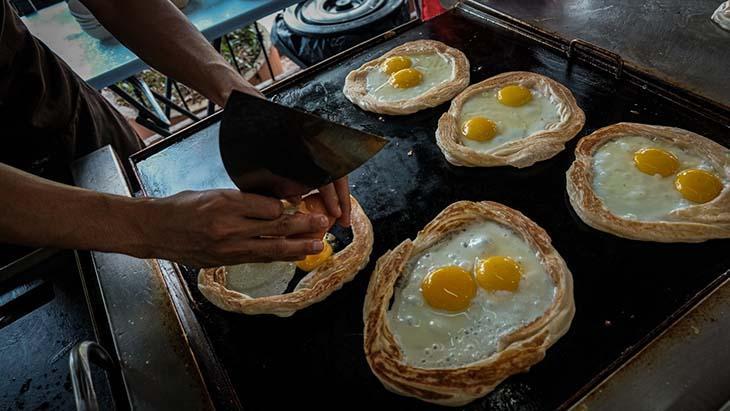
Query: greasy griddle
[[626, 292]]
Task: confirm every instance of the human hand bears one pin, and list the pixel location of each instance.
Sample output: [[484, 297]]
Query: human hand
[[225, 227], [336, 197]]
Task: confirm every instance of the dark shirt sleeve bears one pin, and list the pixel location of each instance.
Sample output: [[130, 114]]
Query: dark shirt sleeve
[[49, 115]]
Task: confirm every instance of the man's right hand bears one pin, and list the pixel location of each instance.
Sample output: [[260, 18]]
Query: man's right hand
[[225, 227]]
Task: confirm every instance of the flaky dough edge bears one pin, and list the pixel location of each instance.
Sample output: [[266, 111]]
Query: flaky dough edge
[[314, 287]]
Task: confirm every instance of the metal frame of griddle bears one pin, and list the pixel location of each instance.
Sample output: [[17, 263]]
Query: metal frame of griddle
[[574, 49], [157, 333]]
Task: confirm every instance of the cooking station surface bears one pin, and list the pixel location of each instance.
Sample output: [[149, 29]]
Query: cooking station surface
[[672, 39], [626, 292]]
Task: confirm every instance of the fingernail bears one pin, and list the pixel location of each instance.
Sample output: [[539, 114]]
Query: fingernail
[[317, 246], [322, 221]]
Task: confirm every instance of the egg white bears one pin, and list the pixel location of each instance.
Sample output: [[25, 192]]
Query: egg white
[[513, 123], [431, 338], [437, 68], [260, 279], [632, 194]]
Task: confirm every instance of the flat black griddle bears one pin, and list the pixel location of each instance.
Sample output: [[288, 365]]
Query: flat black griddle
[[626, 292]]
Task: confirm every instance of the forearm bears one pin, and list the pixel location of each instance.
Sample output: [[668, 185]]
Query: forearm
[[42, 213], [162, 36]]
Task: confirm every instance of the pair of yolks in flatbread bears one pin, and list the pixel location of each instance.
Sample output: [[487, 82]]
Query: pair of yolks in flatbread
[[483, 129], [452, 288], [698, 186], [402, 75]]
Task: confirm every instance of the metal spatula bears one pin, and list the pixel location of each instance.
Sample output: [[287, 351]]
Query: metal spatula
[[279, 151]]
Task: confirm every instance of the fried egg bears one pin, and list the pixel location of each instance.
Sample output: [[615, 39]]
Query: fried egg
[[409, 76], [500, 115], [645, 179], [456, 300]]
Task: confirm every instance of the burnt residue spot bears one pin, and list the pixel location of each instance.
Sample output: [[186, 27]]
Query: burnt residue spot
[[511, 395], [67, 385], [26, 386]]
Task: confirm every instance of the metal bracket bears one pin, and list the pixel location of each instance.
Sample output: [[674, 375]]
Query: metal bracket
[[146, 117], [262, 44], [26, 262], [79, 364], [588, 47], [151, 115]]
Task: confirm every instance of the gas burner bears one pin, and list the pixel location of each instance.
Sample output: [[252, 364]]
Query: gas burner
[[337, 16]]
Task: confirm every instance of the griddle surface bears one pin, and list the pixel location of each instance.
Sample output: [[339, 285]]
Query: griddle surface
[[625, 291], [673, 39]]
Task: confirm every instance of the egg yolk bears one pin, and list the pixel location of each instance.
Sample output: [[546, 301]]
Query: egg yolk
[[479, 129], [311, 262], [698, 186], [396, 63], [449, 288], [406, 78], [656, 161], [499, 273], [514, 96]]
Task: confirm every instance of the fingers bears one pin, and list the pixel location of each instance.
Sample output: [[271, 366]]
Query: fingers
[[289, 225], [257, 206], [331, 201], [277, 249], [343, 194]]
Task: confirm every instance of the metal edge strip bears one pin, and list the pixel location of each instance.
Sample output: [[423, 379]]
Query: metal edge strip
[[707, 310], [649, 339], [146, 330]]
